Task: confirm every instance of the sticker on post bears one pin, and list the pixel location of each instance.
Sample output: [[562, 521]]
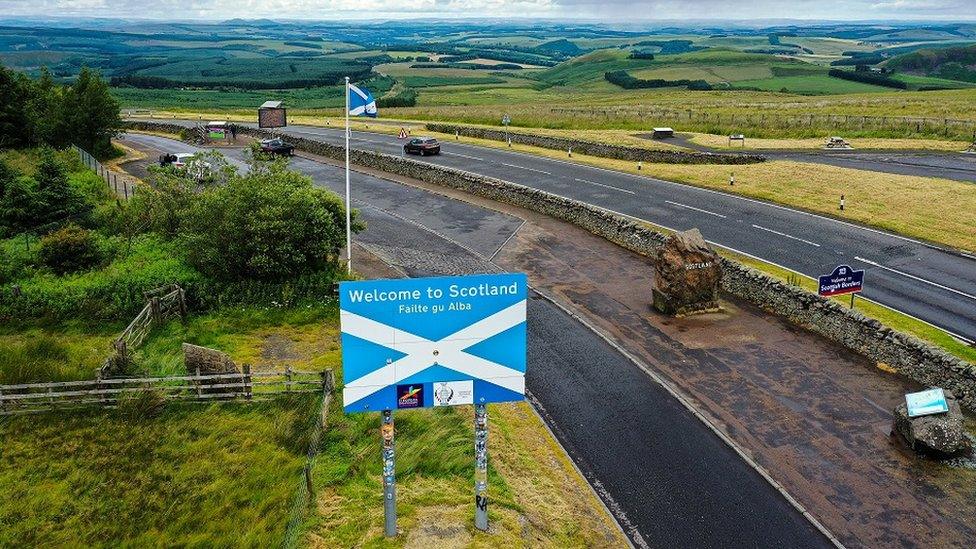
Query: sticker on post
[[453, 393]]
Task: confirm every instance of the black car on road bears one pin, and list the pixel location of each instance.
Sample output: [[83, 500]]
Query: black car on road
[[277, 146], [422, 146]]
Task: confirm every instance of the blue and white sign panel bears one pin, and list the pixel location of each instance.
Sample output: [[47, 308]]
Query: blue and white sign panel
[[844, 280], [926, 403], [424, 342]]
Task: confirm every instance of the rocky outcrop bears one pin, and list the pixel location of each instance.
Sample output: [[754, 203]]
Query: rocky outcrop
[[686, 275], [939, 435], [907, 354], [592, 148]]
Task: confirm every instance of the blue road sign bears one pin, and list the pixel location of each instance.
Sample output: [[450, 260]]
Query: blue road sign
[[423, 342], [844, 280]]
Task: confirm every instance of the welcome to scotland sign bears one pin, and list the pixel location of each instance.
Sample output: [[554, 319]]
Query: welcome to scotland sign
[[424, 342]]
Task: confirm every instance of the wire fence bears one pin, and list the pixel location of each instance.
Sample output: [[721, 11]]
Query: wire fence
[[123, 184], [303, 498]]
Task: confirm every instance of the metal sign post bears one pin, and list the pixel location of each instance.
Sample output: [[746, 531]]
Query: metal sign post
[[389, 478], [481, 467]]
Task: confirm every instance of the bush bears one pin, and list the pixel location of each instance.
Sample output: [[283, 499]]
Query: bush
[[69, 250], [111, 294], [271, 225]]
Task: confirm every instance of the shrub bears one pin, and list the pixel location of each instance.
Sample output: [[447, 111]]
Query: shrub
[[270, 225], [69, 250], [114, 293]]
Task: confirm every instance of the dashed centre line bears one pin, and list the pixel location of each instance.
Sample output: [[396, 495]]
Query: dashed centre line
[[524, 168], [463, 156], [913, 277], [628, 191], [798, 239], [680, 205]]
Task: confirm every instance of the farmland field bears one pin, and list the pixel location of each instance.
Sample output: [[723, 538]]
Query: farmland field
[[463, 72]]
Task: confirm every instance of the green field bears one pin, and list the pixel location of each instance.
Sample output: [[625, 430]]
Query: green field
[[183, 475]]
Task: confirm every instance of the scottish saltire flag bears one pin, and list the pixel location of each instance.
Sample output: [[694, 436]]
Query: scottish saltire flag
[[424, 342], [361, 102]]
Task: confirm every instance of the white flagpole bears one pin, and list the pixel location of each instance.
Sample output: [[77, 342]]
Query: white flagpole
[[348, 200]]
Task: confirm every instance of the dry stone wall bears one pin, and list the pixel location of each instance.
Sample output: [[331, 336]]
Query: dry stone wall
[[907, 354], [592, 148]]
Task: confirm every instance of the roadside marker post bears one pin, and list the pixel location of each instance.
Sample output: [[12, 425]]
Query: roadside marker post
[[842, 202], [432, 342], [732, 179]]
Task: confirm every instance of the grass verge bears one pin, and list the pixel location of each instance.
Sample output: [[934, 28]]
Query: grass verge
[[722, 142]]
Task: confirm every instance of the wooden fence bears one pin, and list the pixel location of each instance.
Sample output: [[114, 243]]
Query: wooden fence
[[161, 304], [247, 385]]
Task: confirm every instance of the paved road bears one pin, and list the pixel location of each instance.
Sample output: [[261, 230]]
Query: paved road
[[927, 282], [673, 479], [948, 165]]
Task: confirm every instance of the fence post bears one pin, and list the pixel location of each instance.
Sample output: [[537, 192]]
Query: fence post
[[246, 380], [288, 379], [125, 187], [157, 314], [308, 480], [196, 383], [181, 298], [3, 403]]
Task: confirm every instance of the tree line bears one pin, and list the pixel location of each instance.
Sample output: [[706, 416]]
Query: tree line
[[628, 82], [43, 112], [868, 77]]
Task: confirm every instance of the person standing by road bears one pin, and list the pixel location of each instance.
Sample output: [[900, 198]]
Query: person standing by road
[[233, 132]]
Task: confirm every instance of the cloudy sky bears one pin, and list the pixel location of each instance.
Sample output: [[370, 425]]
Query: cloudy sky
[[607, 10]]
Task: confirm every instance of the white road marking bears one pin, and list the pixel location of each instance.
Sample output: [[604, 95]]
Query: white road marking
[[680, 205], [463, 156], [524, 168], [913, 277], [628, 191], [761, 228]]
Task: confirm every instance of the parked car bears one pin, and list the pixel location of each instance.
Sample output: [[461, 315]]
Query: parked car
[[187, 163], [422, 146], [177, 160], [277, 146]]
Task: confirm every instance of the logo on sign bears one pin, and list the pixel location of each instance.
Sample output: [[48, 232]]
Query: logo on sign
[[844, 280], [410, 396], [453, 393]]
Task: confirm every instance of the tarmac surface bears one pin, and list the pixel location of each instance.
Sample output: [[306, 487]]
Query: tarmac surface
[[667, 477], [957, 166], [928, 282]]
